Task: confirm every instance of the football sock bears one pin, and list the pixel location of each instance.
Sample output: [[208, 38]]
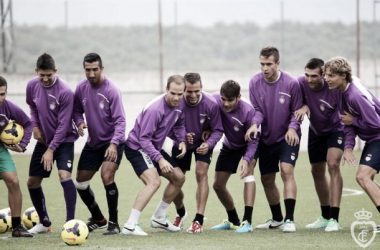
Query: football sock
[[88, 198], [16, 221], [181, 211], [325, 212], [334, 213], [38, 199], [233, 217], [161, 210], [133, 218], [112, 194], [378, 208], [276, 212], [199, 218], [70, 194], [248, 214], [290, 204]]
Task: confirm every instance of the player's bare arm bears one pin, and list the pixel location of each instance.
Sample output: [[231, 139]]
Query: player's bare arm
[[300, 113], [14, 147], [38, 135], [349, 157]]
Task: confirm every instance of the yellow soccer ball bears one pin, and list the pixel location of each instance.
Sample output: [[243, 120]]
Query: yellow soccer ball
[[12, 133], [30, 218], [74, 232], [5, 220]]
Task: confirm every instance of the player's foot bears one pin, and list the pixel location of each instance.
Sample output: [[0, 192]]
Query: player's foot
[[271, 224], [377, 229], [195, 228], [96, 224], [20, 231], [40, 229], [113, 228], [225, 225], [245, 227], [319, 223], [332, 226], [289, 227], [163, 223], [133, 231], [178, 221]]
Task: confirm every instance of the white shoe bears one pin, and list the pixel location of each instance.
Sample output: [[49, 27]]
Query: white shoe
[[179, 221], [319, 223], [163, 223], [133, 231], [40, 229], [271, 224], [332, 226], [289, 227]]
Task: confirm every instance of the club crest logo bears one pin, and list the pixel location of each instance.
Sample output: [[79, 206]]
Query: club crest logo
[[84, 101], [236, 128], [101, 105], [52, 106], [362, 230], [368, 157], [322, 107], [202, 120], [2, 123], [69, 164], [340, 140], [35, 100], [262, 98], [293, 156], [282, 99]]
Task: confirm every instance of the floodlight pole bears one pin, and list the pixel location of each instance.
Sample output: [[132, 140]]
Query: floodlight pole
[[357, 40], [160, 47], [375, 47], [7, 35], [282, 35]]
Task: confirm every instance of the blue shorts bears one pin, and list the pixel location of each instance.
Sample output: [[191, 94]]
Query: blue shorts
[[140, 161], [318, 145], [185, 163], [371, 155], [63, 156], [92, 159], [270, 156], [228, 159]]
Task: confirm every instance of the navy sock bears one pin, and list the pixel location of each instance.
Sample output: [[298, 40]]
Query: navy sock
[[112, 194], [290, 204], [276, 212], [248, 214], [38, 199], [233, 217], [88, 198], [16, 221], [325, 212], [199, 218], [181, 211], [70, 194], [334, 213]]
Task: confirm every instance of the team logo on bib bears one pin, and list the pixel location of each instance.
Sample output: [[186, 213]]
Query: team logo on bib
[[340, 140], [236, 128], [52, 106], [322, 107], [293, 156], [2, 123], [368, 157], [282, 99], [101, 105]]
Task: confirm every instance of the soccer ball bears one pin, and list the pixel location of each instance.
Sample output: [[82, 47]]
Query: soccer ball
[[74, 232], [5, 220], [12, 133], [30, 218]]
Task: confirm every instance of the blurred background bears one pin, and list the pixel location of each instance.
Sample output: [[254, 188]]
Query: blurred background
[[143, 42]]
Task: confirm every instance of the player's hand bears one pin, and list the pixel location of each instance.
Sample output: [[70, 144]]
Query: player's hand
[[111, 153], [189, 137], [253, 129], [38, 135], [165, 166], [243, 168], [291, 137], [182, 147], [203, 148], [81, 128], [47, 159], [14, 147], [300, 113], [205, 135], [349, 157], [347, 118]]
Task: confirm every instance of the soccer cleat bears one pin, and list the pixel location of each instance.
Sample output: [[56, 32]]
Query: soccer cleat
[[289, 227], [377, 229], [195, 228], [113, 228], [319, 223], [96, 224], [245, 227], [271, 224], [40, 229], [225, 225], [133, 231], [20, 231], [178, 221], [163, 223], [332, 226]]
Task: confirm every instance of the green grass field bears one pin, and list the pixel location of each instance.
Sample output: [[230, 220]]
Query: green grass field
[[307, 210]]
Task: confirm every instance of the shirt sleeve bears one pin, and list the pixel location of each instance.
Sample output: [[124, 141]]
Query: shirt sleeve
[[350, 135], [118, 116], [148, 126], [254, 143], [368, 119], [295, 105], [19, 116], [33, 109], [259, 116], [78, 108], [216, 126], [179, 130]]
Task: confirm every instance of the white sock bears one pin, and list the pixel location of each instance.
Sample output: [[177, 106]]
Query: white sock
[[133, 218], [161, 210]]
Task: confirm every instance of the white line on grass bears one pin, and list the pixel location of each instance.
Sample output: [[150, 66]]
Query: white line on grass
[[352, 192]]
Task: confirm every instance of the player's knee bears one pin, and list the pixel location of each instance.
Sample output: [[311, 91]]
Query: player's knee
[[361, 179], [154, 184], [317, 173], [201, 175], [180, 179], [218, 187], [267, 181], [82, 185], [63, 175], [12, 182], [333, 165]]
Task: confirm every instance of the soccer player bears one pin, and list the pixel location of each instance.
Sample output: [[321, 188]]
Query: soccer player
[[8, 172], [160, 117], [276, 95], [326, 141], [361, 116], [201, 114], [51, 102], [237, 116], [100, 100]]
